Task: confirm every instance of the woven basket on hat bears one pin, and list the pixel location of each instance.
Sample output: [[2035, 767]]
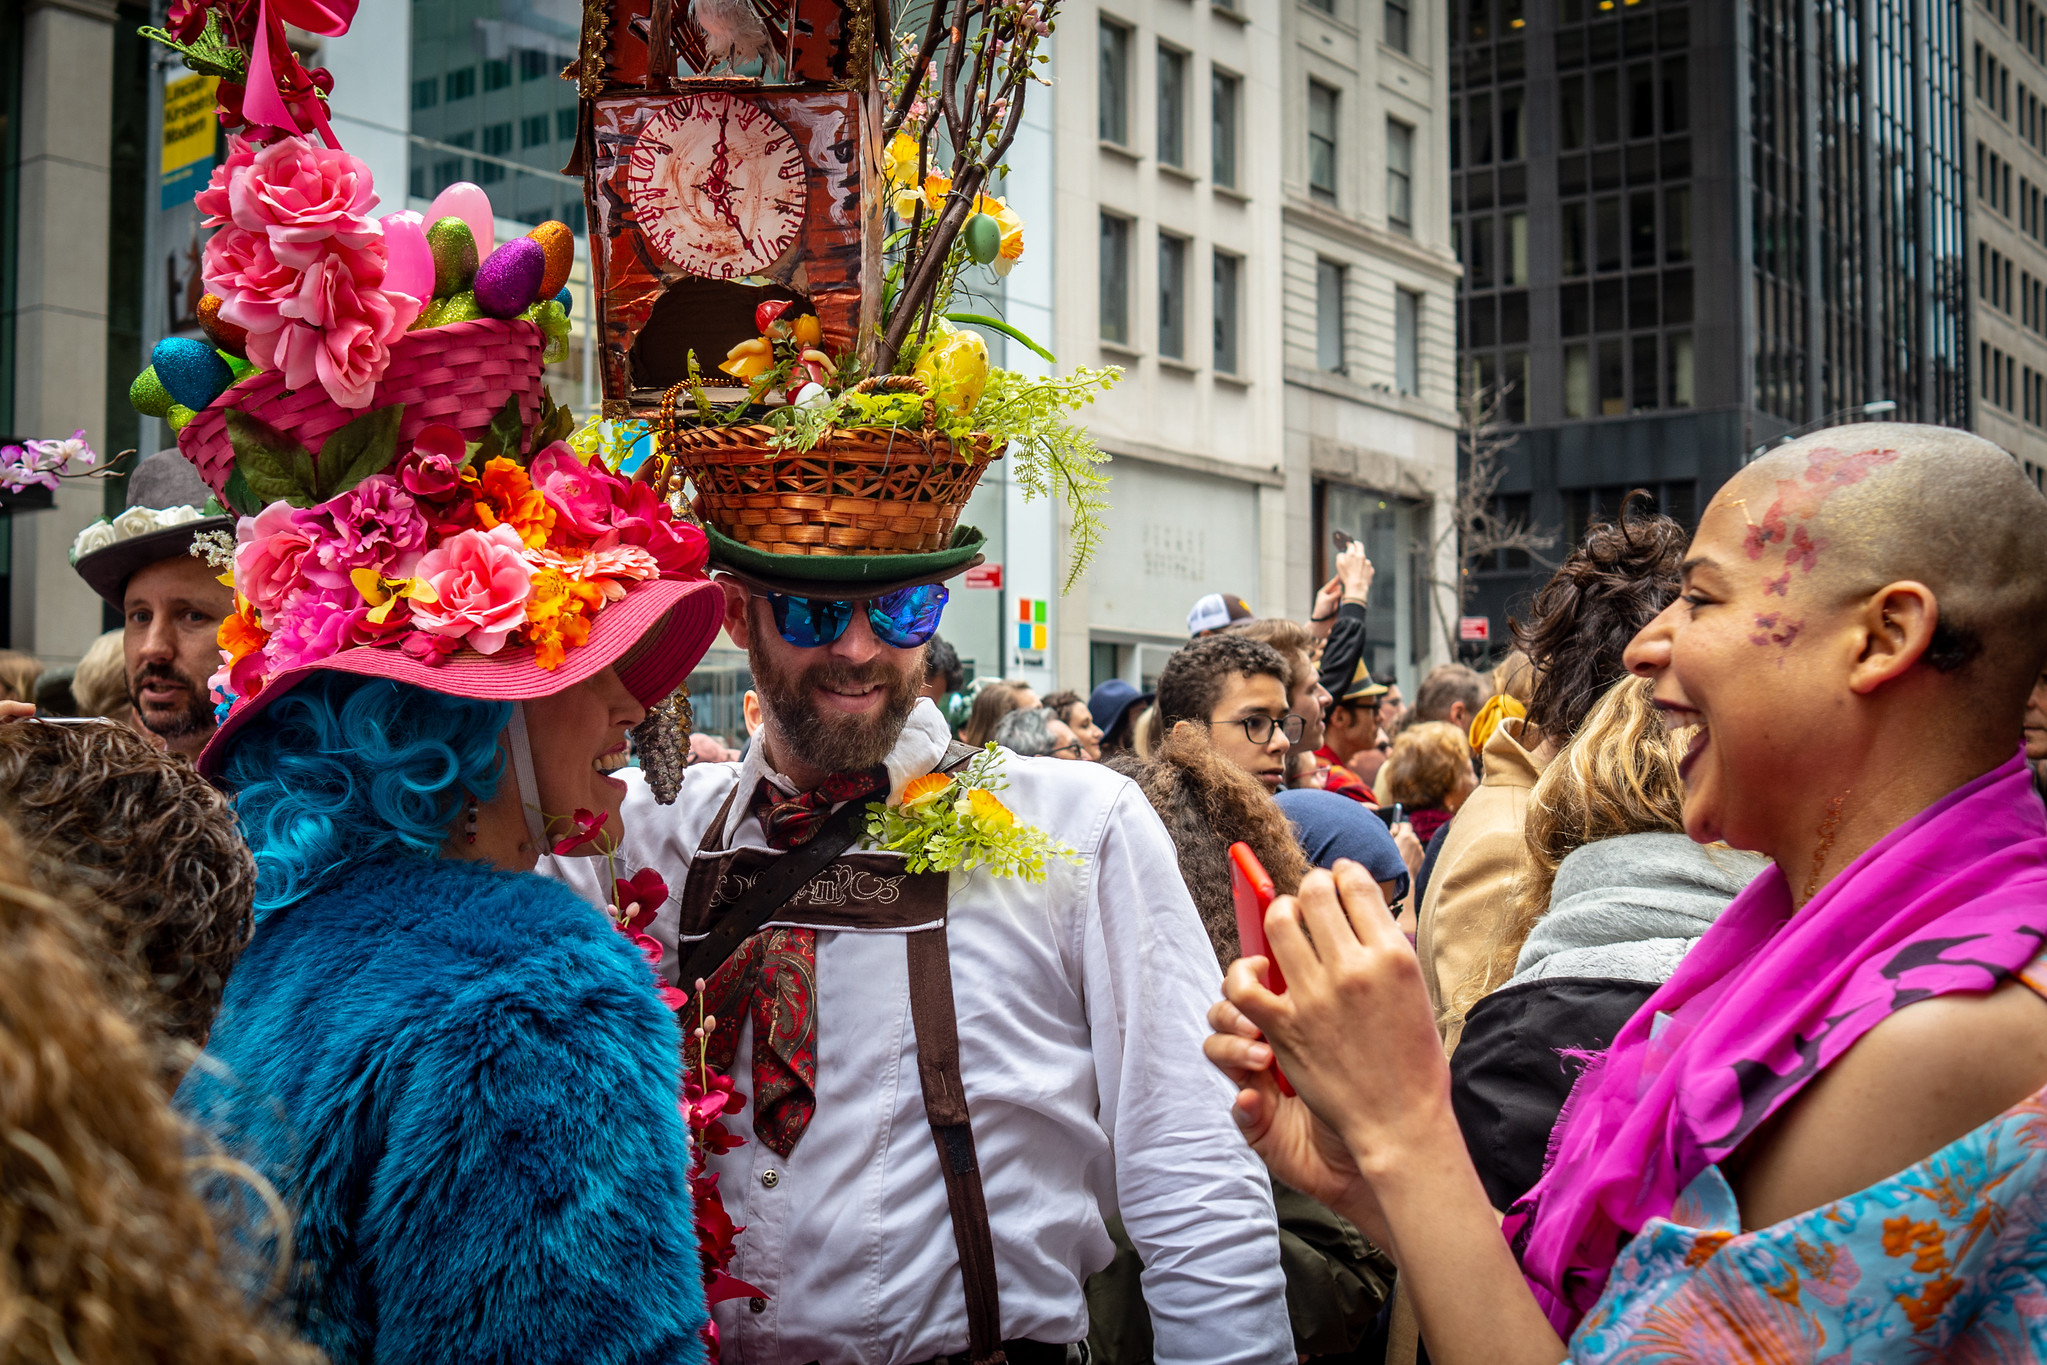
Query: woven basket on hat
[[460, 375], [858, 491]]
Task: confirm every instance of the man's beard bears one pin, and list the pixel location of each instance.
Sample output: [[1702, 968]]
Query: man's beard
[[834, 743], [196, 717]]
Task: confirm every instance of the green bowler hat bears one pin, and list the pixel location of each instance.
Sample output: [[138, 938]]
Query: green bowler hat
[[862, 575]]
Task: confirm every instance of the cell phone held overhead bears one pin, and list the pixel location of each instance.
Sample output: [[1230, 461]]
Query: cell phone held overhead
[[1253, 889]]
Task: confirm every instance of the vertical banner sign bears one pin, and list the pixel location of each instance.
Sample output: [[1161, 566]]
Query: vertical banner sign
[[1030, 625], [188, 132]]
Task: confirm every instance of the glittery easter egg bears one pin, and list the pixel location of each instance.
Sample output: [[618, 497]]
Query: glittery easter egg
[[560, 245], [454, 248], [454, 308], [565, 299], [510, 279], [469, 203], [224, 335], [191, 371], [178, 416], [148, 396]]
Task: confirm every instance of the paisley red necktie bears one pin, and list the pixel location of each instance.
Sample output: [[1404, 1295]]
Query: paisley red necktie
[[773, 976]]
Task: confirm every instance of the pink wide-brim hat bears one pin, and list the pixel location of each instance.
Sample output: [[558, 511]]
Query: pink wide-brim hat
[[654, 636]]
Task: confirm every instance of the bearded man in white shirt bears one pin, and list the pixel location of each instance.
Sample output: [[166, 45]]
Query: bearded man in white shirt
[[1077, 1004]]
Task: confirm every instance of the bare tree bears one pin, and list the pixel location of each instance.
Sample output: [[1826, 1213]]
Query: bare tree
[[1476, 529]]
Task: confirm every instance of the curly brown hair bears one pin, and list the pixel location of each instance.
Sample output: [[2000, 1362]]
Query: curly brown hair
[[107, 1254], [1426, 765], [1609, 587], [1207, 804], [155, 847]]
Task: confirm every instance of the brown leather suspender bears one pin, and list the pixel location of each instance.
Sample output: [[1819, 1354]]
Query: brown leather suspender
[[936, 1026]]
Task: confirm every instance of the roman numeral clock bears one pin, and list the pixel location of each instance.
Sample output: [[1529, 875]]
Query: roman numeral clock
[[715, 183]]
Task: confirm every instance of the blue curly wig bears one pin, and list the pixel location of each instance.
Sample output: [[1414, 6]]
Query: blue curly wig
[[342, 769]]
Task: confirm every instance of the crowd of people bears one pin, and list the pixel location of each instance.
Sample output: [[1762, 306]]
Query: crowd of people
[[1673, 990]]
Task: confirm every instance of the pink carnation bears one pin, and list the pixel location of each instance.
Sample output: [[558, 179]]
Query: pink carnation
[[481, 579], [212, 202], [315, 626], [643, 519], [376, 525], [271, 555]]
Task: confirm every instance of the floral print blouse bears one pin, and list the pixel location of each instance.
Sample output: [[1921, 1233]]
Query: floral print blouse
[[1946, 1260]]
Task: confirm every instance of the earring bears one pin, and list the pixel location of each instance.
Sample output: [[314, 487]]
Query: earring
[[469, 828]]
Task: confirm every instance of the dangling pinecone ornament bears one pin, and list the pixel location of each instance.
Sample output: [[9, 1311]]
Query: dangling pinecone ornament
[[661, 743]]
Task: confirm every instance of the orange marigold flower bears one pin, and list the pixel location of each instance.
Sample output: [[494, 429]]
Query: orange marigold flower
[[504, 494], [241, 631], [558, 612]]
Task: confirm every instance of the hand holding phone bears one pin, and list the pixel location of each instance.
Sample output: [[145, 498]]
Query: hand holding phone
[[1253, 889]]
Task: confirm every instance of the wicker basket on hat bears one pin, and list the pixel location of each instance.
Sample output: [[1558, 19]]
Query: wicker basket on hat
[[860, 490], [460, 375]]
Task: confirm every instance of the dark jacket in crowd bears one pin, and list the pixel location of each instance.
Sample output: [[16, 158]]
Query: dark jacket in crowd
[[1623, 913]]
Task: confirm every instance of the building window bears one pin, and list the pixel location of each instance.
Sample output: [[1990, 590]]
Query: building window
[[1407, 307], [1172, 106], [1678, 351], [1606, 106], [1513, 127], [1326, 6], [1645, 375], [1612, 400], [497, 74], [1642, 228], [1575, 253], [1677, 98], [1641, 101], [1223, 91], [497, 141], [1393, 25], [1115, 279], [533, 130], [1577, 381], [1399, 176], [426, 94], [459, 85], [1571, 113], [533, 64], [1514, 250], [1329, 284], [1478, 265], [1514, 387], [1481, 125], [1677, 224], [1322, 141], [565, 124], [1607, 236], [1227, 270], [1112, 83], [1172, 296]]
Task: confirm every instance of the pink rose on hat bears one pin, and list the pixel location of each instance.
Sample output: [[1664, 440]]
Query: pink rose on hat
[[299, 193], [270, 554], [481, 579]]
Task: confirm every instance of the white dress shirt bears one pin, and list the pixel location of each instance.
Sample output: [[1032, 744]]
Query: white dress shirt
[[1081, 1004]]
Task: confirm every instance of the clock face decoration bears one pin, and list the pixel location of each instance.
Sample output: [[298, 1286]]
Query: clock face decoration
[[718, 186]]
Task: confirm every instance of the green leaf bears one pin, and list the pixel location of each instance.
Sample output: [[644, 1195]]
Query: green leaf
[[364, 447], [983, 320], [504, 435], [238, 498], [273, 465]]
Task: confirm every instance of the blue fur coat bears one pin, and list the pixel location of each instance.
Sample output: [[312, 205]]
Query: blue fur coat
[[464, 1086]]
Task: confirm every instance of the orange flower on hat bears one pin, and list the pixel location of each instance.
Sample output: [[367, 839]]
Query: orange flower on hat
[[241, 631], [558, 615], [505, 496]]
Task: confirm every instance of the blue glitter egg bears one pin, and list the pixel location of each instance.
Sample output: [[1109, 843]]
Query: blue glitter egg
[[191, 370], [564, 299]]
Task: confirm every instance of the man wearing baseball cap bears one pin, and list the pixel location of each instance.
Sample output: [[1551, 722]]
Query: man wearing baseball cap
[[1212, 615], [1353, 724], [171, 601]]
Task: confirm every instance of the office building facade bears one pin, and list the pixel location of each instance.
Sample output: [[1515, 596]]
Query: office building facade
[[1689, 229]]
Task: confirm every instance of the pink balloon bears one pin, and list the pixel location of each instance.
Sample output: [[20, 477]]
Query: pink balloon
[[411, 270], [469, 203]]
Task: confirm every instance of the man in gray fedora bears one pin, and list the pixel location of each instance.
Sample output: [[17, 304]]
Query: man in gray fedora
[[171, 601]]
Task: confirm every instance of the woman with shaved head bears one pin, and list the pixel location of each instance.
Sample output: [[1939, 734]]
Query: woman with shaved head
[[1825, 1137]]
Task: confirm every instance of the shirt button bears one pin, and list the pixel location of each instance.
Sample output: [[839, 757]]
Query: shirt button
[[757, 1305], [770, 1179]]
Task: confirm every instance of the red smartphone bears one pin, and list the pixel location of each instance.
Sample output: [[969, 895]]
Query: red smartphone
[[1252, 887]]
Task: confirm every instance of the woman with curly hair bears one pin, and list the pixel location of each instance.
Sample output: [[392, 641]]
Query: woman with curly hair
[[1428, 772], [155, 850], [1609, 587], [108, 1256]]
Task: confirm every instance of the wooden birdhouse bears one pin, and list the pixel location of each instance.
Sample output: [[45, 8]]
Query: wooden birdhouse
[[726, 149]]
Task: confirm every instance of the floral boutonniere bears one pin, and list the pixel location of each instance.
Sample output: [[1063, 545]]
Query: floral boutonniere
[[945, 822]]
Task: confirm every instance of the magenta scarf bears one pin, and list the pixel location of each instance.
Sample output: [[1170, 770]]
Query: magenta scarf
[[1954, 899]]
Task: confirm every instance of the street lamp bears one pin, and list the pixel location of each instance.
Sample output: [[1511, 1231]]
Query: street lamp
[[1876, 407]]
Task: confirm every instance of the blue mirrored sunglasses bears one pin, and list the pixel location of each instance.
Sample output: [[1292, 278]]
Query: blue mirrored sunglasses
[[904, 618]]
